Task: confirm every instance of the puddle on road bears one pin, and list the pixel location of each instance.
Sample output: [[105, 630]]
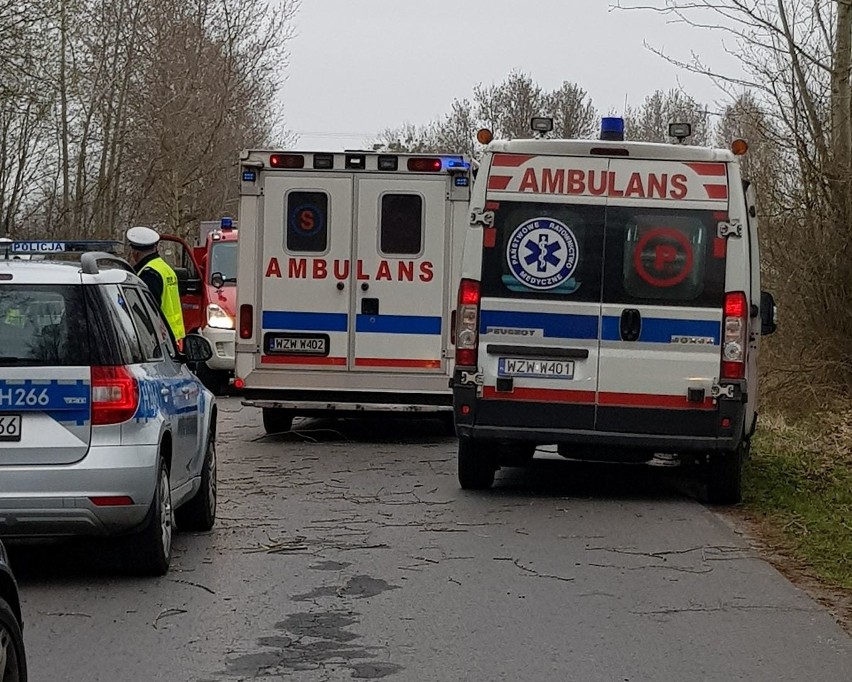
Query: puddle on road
[[357, 587], [330, 565]]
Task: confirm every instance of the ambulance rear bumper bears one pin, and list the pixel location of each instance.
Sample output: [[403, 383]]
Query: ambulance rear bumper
[[309, 408], [318, 403]]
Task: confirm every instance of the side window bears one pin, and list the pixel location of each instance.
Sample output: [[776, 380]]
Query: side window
[[401, 225], [177, 257], [122, 322], [146, 327], [307, 222], [163, 332]]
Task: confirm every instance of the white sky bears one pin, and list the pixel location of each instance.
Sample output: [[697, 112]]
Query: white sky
[[358, 66]]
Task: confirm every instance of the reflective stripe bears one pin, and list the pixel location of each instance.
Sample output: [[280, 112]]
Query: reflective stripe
[[170, 301]]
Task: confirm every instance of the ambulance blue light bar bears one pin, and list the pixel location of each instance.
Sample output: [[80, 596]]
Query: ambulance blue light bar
[[456, 164], [48, 248], [612, 128]]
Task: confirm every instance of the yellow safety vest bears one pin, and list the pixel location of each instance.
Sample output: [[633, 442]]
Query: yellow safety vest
[[170, 302]]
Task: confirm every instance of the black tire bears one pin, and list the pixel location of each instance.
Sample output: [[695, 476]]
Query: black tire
[[476, 465], [517, 454], [277, 420], [13, 659], [150, 551], [725, 475], [199, 513]]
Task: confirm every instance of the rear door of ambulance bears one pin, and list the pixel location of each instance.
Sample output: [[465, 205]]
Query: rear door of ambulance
[[400, 292], [663, 297], [540, 304], [304, 292]]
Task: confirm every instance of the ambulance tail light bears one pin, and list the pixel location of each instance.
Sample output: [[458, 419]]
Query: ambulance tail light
[[467, 321], [286, 160], [425, 165], [115, 395], [246, 321], [734, 330]]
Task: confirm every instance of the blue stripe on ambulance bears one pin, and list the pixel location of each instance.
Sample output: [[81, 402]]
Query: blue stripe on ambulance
[[552, 325], [309, 322], [398, 324], [661, 329]]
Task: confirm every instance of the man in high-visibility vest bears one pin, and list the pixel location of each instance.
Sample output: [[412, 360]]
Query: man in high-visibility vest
[[158, 275]]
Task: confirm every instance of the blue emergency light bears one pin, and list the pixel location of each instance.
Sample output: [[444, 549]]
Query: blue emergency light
[[249, 176], [456, 164], [226, 223], [612, 128]]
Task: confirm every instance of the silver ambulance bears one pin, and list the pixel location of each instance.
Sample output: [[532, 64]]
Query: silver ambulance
[[610, 304], [348, 269]]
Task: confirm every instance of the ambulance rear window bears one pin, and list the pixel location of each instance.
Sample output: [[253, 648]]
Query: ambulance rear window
[[663, 256], [401, 225], [307, 222]]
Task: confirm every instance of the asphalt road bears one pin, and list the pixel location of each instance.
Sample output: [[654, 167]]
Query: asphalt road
[[350, 552]]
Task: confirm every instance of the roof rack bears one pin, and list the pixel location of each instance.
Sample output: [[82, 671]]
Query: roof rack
[[89, 262]]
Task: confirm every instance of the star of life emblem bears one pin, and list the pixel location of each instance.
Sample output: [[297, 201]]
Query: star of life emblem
[[542, 253]]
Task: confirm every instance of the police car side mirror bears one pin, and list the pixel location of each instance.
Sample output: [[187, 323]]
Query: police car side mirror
[[768, 314], [196, 348]]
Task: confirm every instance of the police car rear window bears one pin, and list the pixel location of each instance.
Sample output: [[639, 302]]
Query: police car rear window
[[307, 222], [544, 250], [42, 326]]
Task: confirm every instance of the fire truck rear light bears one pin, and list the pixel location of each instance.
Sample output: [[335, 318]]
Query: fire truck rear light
[[246, 321], [286, 160], [324, 161], [388, 163], [425, 165]]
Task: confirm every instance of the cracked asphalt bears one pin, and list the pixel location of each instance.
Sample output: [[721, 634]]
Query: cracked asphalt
[[347, 551]]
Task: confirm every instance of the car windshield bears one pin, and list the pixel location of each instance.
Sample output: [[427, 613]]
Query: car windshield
[[223, 259], [35, 326]]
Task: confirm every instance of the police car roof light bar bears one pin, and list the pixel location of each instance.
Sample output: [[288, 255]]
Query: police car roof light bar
[[52, 248], [612, 128]]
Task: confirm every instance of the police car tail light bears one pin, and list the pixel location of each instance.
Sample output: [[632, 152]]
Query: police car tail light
[[246, 321], [467, 319], [734, 328], [115, 395]]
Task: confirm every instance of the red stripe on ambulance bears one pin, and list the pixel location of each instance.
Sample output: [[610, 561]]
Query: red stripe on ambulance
[[540, 395], [510, 160], [300, 360], [708, 169], [397, 362], [499, 182]]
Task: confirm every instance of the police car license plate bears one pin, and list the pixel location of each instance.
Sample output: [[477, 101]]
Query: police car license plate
[[543, 369], [297, 344], [10, 427]]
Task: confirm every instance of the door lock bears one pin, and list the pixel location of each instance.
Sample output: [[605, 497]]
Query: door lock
[[364, 286]]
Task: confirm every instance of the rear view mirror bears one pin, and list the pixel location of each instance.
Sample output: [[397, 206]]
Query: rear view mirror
[[768, 314], [196, 348], [217, 279]]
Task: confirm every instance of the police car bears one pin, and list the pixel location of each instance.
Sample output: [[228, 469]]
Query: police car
[[348, 265], [610, 304], [103, 428]]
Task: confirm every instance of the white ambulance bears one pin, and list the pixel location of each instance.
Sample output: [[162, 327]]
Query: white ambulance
[[348, 269], [611, 305]]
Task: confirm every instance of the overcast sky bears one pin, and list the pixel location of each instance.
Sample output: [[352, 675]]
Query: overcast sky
[[358, 66]]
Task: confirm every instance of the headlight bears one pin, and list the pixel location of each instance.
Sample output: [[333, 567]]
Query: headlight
[[218, 318]]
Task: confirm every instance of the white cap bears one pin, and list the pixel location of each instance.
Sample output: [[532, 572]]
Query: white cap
[[142, 237]]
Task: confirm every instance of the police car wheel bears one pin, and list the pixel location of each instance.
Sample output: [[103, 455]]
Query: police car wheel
[[13, 661], [199, 513], [277, 420], [476, 464], [725, 476], [150, 552]]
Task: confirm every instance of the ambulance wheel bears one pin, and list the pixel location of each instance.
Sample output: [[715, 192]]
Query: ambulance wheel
[[277, 420], [725, 475], [477, 464]]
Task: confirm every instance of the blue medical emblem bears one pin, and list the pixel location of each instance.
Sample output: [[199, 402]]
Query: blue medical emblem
[[542, 253]]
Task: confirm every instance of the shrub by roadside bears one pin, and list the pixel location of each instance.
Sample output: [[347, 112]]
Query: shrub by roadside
[[798, 486]]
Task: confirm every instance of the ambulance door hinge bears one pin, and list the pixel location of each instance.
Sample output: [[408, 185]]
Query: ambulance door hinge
[[719, 391], [468, 378], [484, 218], [725, 229]]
